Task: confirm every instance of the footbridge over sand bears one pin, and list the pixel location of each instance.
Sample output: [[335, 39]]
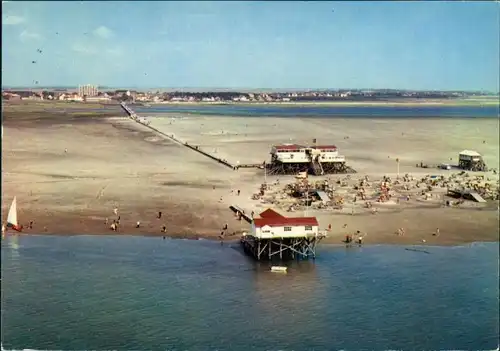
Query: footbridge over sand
[[132, 115]]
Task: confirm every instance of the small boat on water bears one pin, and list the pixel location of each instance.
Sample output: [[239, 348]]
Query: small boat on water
[[280, 269], [12, 219]]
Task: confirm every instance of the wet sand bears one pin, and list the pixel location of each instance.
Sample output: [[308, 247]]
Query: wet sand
[[113, 162]]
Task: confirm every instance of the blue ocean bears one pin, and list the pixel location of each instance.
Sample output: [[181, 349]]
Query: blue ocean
[[144, 293]]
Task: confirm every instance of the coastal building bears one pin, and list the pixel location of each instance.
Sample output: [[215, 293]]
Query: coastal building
[[88, 90], [319, 159], [274, 225], [471, 160], [273, 234]]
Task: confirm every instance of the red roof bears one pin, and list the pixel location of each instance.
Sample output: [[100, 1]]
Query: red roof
[[269, 213], [329, 147], [288, 147], [285, 222], [296, 147]]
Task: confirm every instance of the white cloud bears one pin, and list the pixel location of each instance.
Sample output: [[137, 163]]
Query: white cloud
[[27, 35], [103, 32], [84, 49], [12, 20]]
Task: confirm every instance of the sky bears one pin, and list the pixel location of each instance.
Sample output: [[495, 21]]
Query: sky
[[278, 45]]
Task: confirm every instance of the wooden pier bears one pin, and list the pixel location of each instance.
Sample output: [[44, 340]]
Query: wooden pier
[[283, 248], [195, 148], [240, 212]]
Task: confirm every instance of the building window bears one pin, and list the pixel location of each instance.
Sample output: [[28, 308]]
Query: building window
[[287, 229], [308, 227]]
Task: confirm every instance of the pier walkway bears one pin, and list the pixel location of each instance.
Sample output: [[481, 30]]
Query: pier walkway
[[196, 148], [241, 212]]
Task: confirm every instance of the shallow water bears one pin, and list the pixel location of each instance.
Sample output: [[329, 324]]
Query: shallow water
[[429, 111], [85, 292]]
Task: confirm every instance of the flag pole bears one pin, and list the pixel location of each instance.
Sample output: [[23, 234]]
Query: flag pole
[[397, 161]]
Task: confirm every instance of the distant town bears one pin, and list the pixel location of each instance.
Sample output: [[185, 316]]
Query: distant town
[[92, 93]]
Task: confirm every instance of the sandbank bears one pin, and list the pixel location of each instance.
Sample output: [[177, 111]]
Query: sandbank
[[70, 169]]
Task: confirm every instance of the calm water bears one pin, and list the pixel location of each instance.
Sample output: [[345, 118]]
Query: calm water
[[326, 111], [147, 293]]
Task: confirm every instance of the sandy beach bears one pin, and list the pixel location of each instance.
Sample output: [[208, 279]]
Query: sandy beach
[[70, 169]]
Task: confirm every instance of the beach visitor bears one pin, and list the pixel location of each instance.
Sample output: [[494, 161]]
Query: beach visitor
[[106, 221], [138, 224], [113, 226], [436, 233], [164, 229], [239, 192], [31, 225], [159, 214]]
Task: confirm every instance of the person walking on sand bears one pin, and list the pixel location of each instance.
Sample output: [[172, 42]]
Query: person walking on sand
[[115, 211], [106, 221], [159, 215], [138, 224], [436, 233], [163, 229]]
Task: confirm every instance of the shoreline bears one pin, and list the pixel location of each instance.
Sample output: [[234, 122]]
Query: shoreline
[[461, 103], [324, 243]]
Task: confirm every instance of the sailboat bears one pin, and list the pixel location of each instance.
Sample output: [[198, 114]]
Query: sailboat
[[12, 218]]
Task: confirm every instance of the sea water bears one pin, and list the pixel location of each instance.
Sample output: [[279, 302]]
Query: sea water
[[124, 293]]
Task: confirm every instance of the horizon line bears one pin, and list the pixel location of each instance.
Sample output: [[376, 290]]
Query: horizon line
[[243, 89]]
